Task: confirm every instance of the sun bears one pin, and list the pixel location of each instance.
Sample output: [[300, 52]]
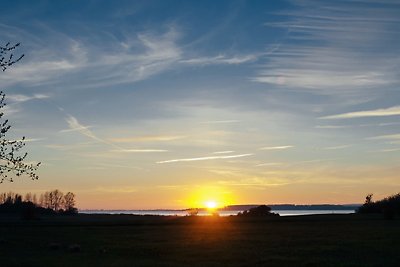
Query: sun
[[211, 204], [209, 197]]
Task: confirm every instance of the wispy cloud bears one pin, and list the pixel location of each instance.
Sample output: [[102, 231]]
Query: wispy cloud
[[76, 129], [147, 138], [23, 98], [311, 161], [379, 124], [385, 124], [367, 113], [275, 147], [10, 110], [139, 57], [33, 139], [223, 152], [334, 47], [221, 121], [139, 150], [220, 59], [390, 150], [205, 158], [43, 68], [113, 189], [75, 125], [385, 137], [146, 55], [337, 147], [14, 101], [394, 142], [64, 147], [331, 126], [117, 166], [269, 164], [255, 182]]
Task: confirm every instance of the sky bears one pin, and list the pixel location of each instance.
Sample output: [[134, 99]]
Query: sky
[[169, 104]]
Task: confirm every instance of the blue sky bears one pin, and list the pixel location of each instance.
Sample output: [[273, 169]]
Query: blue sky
[[134, 104]]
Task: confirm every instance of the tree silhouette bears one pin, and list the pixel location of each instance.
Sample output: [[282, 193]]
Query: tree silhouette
[[368, 199], [69, 203], [56, 198], [12, 163], [51, 203]]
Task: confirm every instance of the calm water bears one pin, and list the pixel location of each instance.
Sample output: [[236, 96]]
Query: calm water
[[203, 213]]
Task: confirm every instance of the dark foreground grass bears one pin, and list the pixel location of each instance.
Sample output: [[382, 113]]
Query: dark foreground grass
[[126, 240]]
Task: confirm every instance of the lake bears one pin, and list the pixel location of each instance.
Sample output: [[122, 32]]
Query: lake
[[204, 213]]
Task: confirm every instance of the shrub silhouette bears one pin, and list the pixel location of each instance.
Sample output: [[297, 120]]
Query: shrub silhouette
[[262, 210]]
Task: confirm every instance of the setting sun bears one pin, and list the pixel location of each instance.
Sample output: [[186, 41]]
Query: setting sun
[[211, 204], [210, 197]]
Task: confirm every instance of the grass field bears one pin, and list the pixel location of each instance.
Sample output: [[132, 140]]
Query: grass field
[[126, 240]]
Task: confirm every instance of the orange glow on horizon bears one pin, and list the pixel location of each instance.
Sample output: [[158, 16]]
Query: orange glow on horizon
[[210, 197]]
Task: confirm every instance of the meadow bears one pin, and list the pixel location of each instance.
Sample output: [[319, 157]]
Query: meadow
[[128, 240]]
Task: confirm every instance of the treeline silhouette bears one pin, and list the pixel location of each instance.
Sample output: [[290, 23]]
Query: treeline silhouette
[[389, 206], [48, 203]]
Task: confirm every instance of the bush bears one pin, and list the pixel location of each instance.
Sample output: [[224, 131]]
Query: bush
[[262, 210]]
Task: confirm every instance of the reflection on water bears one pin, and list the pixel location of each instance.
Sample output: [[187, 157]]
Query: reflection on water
[[205, 213]]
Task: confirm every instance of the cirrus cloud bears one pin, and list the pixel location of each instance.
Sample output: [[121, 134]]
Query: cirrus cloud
[[205, 158], [392, 111]]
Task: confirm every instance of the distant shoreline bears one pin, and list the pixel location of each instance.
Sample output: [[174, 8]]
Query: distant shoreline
[[231, 210], [274, 207]]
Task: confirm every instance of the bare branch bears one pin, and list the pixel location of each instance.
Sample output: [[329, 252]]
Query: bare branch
[[11, 161], [7, 56]]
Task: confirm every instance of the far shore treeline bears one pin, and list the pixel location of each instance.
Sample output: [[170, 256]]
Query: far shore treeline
[[31, 205]]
